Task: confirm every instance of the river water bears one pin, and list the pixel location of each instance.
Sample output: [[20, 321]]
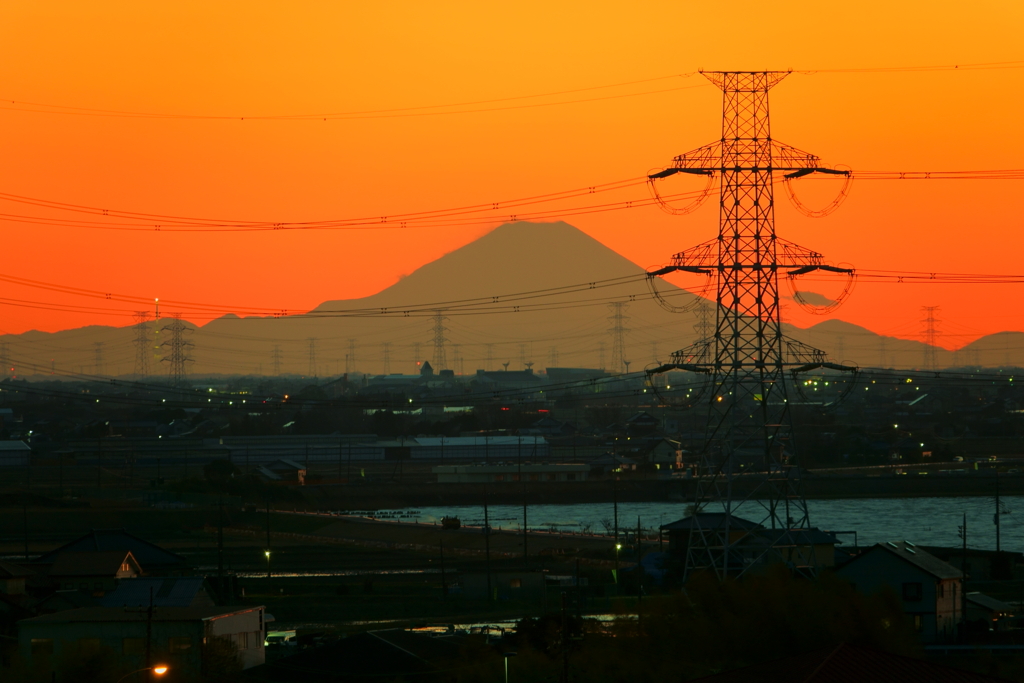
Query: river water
[[924, 521]]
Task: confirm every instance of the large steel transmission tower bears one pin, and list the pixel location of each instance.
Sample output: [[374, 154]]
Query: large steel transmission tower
[[178, 351], [618, 329], [142, 344], [275, 359], [440, 357], [747, 468], [930, 336]]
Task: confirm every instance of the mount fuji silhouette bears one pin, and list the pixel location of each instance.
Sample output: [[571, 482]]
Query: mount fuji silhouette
[[563, 330]]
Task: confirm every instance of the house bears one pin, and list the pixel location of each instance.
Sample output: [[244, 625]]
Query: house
[[188, 639], [750, 543], [96, 573], [994, 613], [12, 578], [928, 587], [14, 453], [510, 472], [284, 470], [172, 591], [663, 453], [844, 663], [152, 558], [641, 423], [609, 463]]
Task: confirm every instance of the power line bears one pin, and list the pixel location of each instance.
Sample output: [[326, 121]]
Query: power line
[[400, 112]]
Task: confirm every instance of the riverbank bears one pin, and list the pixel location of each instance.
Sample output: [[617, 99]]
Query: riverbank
[[883, 484]]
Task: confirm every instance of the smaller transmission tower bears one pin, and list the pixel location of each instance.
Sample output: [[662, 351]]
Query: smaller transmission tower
[[5, 358], [840, 348], [618, 330], [704, 327], [350, 357], [311, 347], [457, 359], [141, 343], [416, 353], [600, 355], [883, 356], [930, 334], [98, 358], [553, 356], [275, 359], [178, 351], [522, 356], [490, 357], [386, 348], [440, 357]]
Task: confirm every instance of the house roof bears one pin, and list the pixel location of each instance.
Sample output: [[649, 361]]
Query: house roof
[[167, 592], [848, 664], [284, 464], [710, 520], [609, 459], [916, 556], [9, 570], [989, 602], [14, 445], [98, 563], [129, 614], [152, 557]]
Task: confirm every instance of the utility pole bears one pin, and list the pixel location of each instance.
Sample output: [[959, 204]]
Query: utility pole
[[220, 540], [386, 347], [142, 344], [963, 581], [275, 360], [267, 551], [487, 546], [930, 334], [618, 330], [747, 360], [490, 357], [179, 350]]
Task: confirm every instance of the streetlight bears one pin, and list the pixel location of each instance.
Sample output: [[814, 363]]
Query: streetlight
[[618, 547], [506, 655], [158, 670], [267, 553]]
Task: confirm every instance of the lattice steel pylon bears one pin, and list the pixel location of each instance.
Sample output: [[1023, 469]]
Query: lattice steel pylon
[[618, 329], [386, 348], [275, 359], [142, 343], [311, 371], [747, 469], [178, 351], [440, 357], [930, 337]]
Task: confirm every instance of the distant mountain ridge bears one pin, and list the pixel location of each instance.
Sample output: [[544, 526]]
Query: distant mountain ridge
[[513, 258]]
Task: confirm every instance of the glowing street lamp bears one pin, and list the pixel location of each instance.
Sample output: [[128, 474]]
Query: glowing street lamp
[[267, 553], [158, 670]]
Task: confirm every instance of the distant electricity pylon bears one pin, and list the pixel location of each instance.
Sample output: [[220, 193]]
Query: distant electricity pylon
[[142, 343], [748, 359], [522, 356], [840, 348], [178, 351], [490, 357], [618, 330], [930, 335], [440, 357], [311, 347], [416, 353], [5, 358], [553, 356], [350, 357], [883, 356], [98, 358], [600, 356], [386, 348], [704, 328], [275, 360], [457, 359]]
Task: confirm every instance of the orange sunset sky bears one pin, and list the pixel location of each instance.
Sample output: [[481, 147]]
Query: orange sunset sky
[[253, 59]]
